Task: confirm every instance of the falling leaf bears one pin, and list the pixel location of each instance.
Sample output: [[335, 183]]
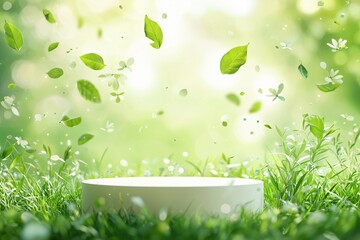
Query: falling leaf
[[153, 32], [267, 126], [70, 122], [15, 111], [49, 16], [13, 36], [303, 71], [85, 138], [93, 61], [88, 91], [183, 92], [53, 46], [255, 107], [55, 73], [99, 33], [328, 87], [11, 85], [80, 22], [232, 97], [233, 59]]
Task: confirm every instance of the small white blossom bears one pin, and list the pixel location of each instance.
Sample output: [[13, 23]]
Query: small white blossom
[[109, 127], [337, 45], [38, 117], [323, 65], [56, 158], [333, 77], [9, 104], [284, 45], [21, 142], [224, 118]]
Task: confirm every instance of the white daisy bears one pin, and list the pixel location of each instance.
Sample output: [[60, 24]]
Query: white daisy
[[337, 45], [21, 142]]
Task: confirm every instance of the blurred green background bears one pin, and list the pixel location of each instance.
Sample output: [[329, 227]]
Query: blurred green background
[[154, 122]]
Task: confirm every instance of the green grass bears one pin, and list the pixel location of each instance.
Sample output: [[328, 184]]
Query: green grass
[[311, 190]]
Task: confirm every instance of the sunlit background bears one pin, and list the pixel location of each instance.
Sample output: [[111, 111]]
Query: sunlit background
[[154, 122]]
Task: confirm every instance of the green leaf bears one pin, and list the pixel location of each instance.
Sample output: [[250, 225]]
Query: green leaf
[[99, 33], [93, 61], [272, 91], [16, 159], [232, 97], [88, 91], [13, 36], [153, 32], [49, 16], [130, 61], [85, 138], [303, 71], [255, 107], [80, 22], [53, 46], [267, 126], [67, 153], [224, 123], [233, 59], [183, 92], [7, 151], [55, 73], [281, 98], [328, 87], [11, 85], [70, 122], [280, 88], [316, 125]]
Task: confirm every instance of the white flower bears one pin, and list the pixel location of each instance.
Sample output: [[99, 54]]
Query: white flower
[[9, 104], [284, 45], [337, 45], [323, 65], [21, 142], [109, 127], [38, 117], [333, 77], [56, 158]]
